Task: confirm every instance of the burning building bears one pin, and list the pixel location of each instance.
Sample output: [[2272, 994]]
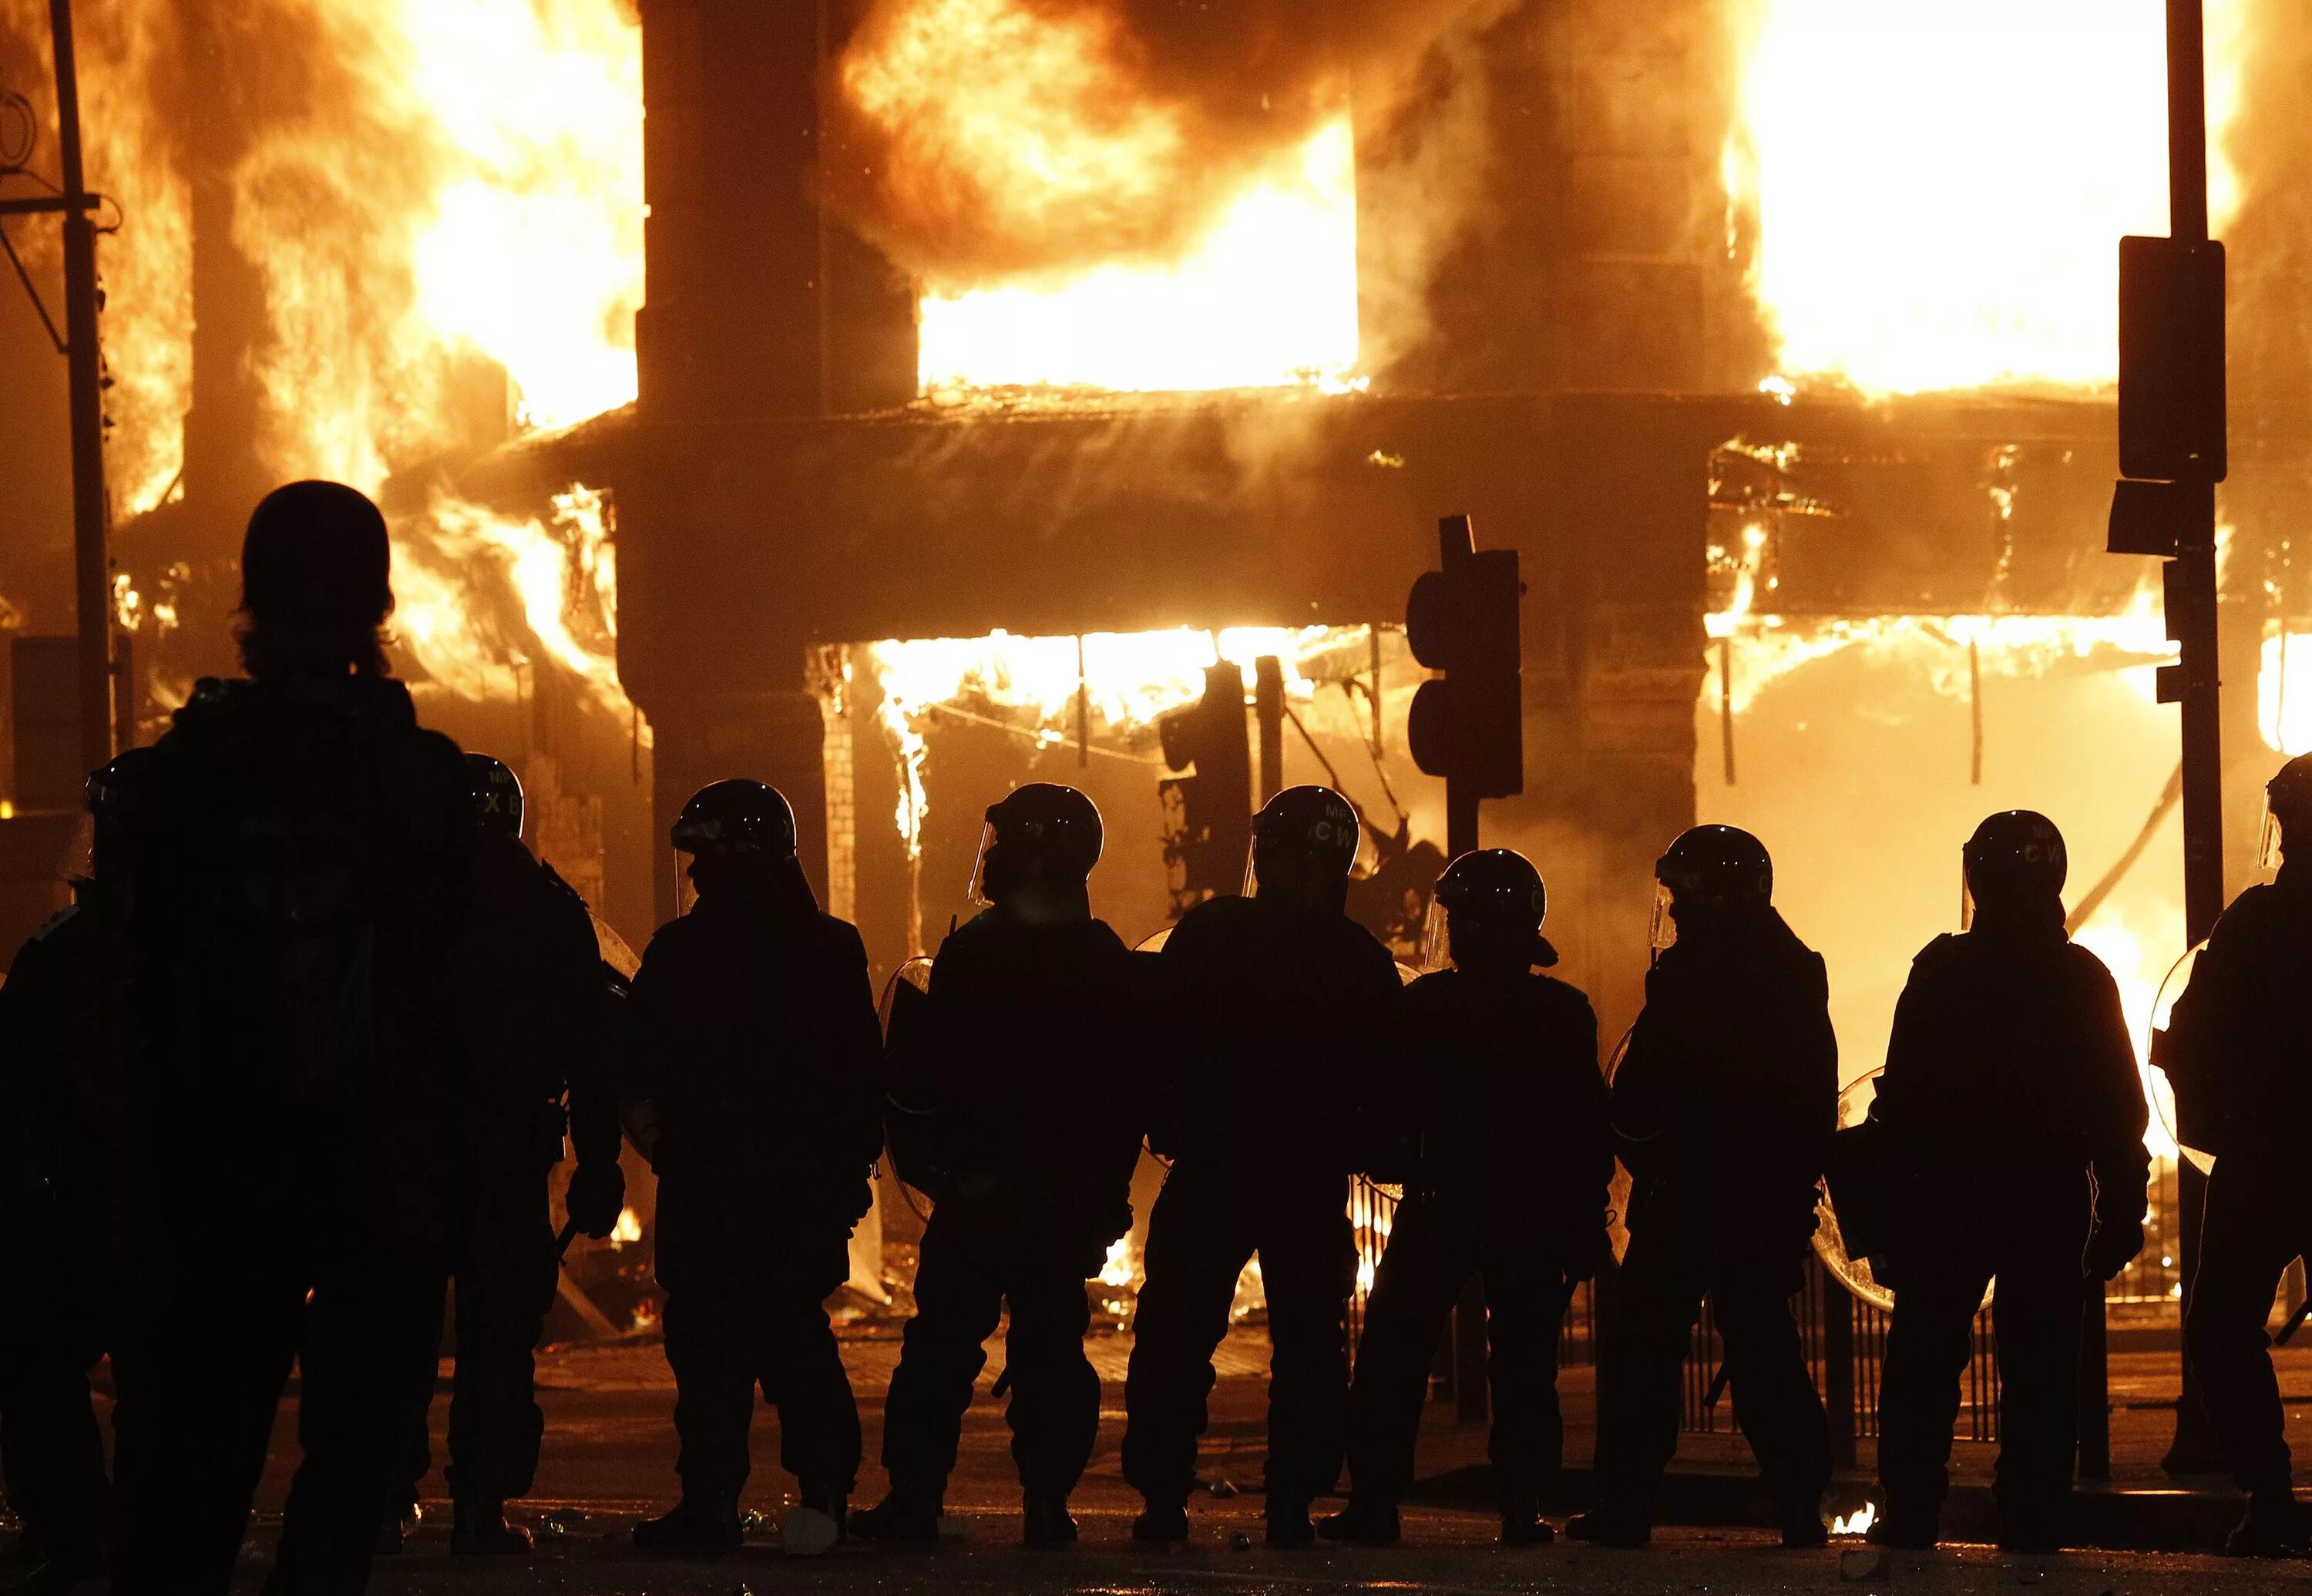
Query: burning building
[[926, 390]]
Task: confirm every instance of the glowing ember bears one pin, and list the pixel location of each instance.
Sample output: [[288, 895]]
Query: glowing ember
[[1268, 298], [1941, 183]]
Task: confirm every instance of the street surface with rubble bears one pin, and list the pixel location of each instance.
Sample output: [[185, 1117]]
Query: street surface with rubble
[[610, 1459]]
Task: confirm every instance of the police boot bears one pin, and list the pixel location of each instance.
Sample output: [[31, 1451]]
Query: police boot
[[703, 1525], [2275, 1527], [1288, 1523], [400, 1523], [902, 1515], [479, 1530], [1163, 1523], [1611, 1524], [1045, 1518], [1362, 1523], [1522, 1520], [815, 1525], [1905, 1529], [1801, 1524]]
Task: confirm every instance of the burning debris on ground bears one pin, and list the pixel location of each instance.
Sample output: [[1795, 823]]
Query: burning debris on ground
[[933, 397]]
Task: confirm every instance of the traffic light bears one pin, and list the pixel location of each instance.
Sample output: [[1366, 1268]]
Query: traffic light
[[1469, 727], [2172, 422], [1209, 814]]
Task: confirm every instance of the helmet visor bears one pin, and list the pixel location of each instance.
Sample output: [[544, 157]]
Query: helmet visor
[[1436, 950], [978, 892], [1663, 935], [2267, 846]]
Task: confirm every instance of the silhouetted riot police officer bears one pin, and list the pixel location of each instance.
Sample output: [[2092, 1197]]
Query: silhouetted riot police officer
[[2009, 1128], [2238, 1051], [56, 1169], [1500, 1113], [1281, 1008], [1723, 1107], [533, 1012], [762, 1020], [297, 865], [1022, 1058]]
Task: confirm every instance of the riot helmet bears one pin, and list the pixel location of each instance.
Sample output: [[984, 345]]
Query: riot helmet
[[1487, 909], [1711, 875], [496, 793], [1039, 842], [316, 582], [2287, 803], [2015, 858], [1304, 842], [741, 832]]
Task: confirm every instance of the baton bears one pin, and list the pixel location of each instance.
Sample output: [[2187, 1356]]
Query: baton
[[2295, 1322], [561, 1242]]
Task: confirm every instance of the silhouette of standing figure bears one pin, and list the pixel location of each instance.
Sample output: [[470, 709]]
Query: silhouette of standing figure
[[2010, 1124], [533, 1009], [56, 1161], [1280, 1011], [1499, 1110], [761, 1022], [1026, 1073], [298, 860], [1723, 1109], [2236, 1051]]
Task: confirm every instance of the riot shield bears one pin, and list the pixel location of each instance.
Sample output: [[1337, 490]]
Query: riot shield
[[908, 1121], [2159, 1083]]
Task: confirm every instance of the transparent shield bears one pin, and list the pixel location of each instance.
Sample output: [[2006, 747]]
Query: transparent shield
[[614, 949], [1663, 934], [977, 892], [915, 974], [2155, 1081], [1617, 1194], [1855, 1273]]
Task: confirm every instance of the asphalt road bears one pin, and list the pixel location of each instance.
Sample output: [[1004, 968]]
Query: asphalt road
[[1450, 1557]]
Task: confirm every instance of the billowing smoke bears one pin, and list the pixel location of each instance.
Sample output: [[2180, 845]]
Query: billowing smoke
[[984, 140]]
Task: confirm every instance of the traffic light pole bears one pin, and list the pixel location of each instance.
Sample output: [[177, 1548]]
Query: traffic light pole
[[2192, 580]]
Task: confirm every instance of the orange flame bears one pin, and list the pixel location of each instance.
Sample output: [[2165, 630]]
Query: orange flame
[[1941, 184]]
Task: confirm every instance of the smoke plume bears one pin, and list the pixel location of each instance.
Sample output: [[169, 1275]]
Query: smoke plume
[[985, 139]]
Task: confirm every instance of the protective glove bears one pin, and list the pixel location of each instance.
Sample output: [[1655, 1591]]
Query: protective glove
[[597, 1196], [2115, 1244]]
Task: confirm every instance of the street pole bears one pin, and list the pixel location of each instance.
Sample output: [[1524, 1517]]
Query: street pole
[[92, 570], [2192, 580]]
